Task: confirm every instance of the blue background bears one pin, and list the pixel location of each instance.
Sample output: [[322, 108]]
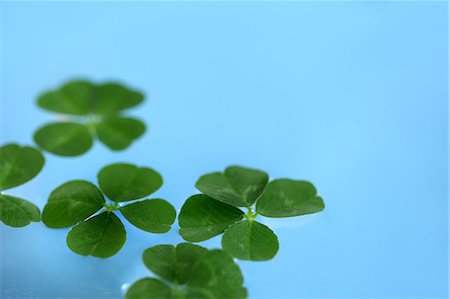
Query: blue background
[[351, 96]]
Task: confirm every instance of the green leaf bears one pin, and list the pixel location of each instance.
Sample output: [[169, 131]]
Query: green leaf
[[173, 263], [202, 218], [151, 215], [101, 236], [80, 97], [287, 198], [187, 256], [237, 186], [113, 97], [150, 288], [84, 98], [71, 203], [161, 260], [124, 182], [118, 133], [250, 240], [64, 138], [208, 274], [74, 98], [18, 165], [199, 293], [216, 276], [17, 212]]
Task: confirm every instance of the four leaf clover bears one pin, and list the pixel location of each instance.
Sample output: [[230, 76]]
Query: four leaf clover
[[95, 112], [217, 210], [18, 165], [188, 271], [96, 230]]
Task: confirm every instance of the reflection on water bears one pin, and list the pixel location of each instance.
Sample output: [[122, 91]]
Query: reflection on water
[[288, 223], [125, 287], [39, 265]]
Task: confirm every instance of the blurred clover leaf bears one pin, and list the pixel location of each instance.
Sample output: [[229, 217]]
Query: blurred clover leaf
[[92, 111], [217, 210], [188, 271], [96, 230], [18, 165]]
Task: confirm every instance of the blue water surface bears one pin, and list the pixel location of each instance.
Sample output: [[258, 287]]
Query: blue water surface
[[351, 96]]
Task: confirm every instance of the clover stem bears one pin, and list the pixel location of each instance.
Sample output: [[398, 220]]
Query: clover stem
[[91, 122], [112, 206], [251, 216]]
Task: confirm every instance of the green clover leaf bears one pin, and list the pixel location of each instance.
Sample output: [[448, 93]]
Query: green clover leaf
[[118, 133], [93, 111], [250, 240], [287, 198], [96, 230], [18, 165], [151, 288], [64, 138], [17, 212], [202, 218], [151, 215], [173, 263], [79, 97], [237, 186], [217, 210], [123, 182], [216, 275], [102, 236], [73, 98], [71, 203], [189, 271]]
